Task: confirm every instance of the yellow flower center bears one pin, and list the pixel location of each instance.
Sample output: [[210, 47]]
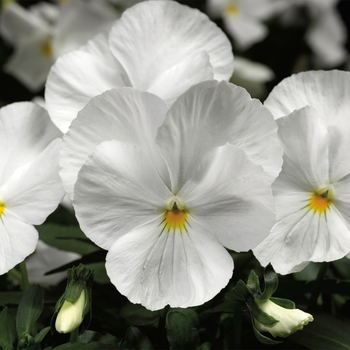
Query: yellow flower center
[[2, 208], [320, 201], [232, 9], [175, 218], [46, 49]]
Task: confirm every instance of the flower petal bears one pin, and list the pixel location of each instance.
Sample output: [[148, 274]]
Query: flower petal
[[232, 198], [25, 131], [122, 114], [156, 268], [209, 115], [305, 142], [17, 240], [154, 36], [69, 85], [117, 190], [35, 190], [325, 91]]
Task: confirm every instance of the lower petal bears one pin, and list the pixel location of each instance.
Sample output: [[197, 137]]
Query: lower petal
[[156, 267]]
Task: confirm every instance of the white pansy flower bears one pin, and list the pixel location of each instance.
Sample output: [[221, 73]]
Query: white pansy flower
[[289, 320], [30, 187], [44, 31], [157, 46], [312, 191], [244, 19], [163, 191]]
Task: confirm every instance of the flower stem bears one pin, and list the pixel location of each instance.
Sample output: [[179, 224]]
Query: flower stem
[[237, 330], [24, 276], [317, 287], [74, 335]]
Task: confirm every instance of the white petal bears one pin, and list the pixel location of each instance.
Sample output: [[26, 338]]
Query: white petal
[[123, 114], [79, 75], [153, 36], [17, 240], [25, 131], [211, 114], [302, 236], [117, 190], [156, 268], [35, 189], [232, 198], [79, 21], [325, 91], [305, 142]]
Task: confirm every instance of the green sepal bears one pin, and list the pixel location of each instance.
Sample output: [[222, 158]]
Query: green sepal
[[253, 283], [271, 282], [260, 315], [239, 292], [29, 310], [7, 330], [286, 303], [262, 339]]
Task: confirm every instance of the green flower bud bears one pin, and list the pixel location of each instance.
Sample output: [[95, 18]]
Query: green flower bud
[[289, 320], [70, 315], [75, 303]]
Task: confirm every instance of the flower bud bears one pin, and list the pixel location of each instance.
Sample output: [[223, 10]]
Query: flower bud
[[289, 320], [70, 315], [75, 302]]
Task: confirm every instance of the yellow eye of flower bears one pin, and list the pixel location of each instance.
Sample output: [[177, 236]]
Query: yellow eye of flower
[[2, 208], [175, 218], [232, 9], [320, 202], [46, 49]]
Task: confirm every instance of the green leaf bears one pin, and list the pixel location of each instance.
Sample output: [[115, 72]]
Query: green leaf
[[325, 332], [263, 339], [271, 282], [91, 346], [41, 335], [253, 283], [29, 310], [239, 293], [7, 330], [68, 238], [181, 332], [138, 339], [286, 303], [137, 315]]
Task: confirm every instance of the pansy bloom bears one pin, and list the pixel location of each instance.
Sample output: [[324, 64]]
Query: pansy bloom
[[312, 193], [164, 190], [157, 46], [30, 187]]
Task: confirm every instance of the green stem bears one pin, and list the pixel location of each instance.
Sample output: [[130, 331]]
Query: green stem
[[74, 335], [24, 276], [237, 330], [316, 291]]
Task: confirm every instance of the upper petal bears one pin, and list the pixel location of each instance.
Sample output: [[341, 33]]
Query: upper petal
[[155, 267], [79, 75], [154, 36], [327, 92], [122, 114], [209, 115], [25, 131]]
